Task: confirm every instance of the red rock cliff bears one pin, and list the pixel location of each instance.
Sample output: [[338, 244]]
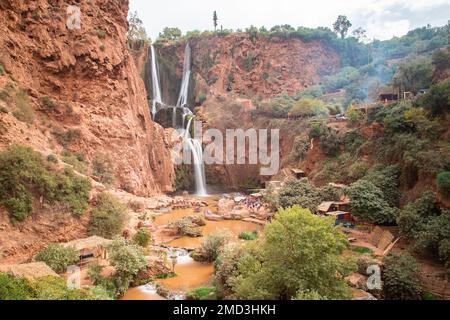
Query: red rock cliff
[[93, 83]]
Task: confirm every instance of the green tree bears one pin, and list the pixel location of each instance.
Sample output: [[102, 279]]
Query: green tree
[[360, 34], [142, 238], [58, 257], [137, 36], [308, 107], [311, 260], [170, 34], [215, 19], [414, 74], [108, 217], [367, 203], [400, 277], [128, 260], [428, 225], [341, 26]]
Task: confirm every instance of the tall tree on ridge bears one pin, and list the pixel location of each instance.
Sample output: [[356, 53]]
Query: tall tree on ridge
[[215, 19], [342, 25]]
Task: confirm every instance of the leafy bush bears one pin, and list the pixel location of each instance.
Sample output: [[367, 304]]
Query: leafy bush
[[249, 61], [100, 33], [358, 170], [12, 288], [52, 158], [128, 260], [387, 179], [78, 161], [248, 235], [23, 110], [46, 288], [142, 238], [443, 181], [308, 107], [367, 203], [203, 293], [108, 217], [68, 137], [414, 74], [58, 257], [103, 168], [303, 193], [400, 278], [211, 246], [436, 99], [300, 149], [341, 79], [24, 174], [48, 103], [428, 225]]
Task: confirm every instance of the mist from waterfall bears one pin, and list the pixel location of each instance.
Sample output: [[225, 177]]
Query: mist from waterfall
[[156, 85]]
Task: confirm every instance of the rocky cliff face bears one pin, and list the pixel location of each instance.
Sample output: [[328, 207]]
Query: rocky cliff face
[[264, 67], [231, 72], [81, 90]]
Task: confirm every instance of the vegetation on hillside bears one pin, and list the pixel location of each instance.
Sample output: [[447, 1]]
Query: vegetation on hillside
[[25, 176], [312, 263]]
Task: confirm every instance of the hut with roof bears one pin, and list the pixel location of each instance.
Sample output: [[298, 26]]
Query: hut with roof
[[90, 249]]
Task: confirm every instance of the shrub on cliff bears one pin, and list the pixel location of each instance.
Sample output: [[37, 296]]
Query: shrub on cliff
[[400, 278], [23, 110], [428, 225], [108, 217], [25, 175], [443, 181], [103, 168], [58, 257]]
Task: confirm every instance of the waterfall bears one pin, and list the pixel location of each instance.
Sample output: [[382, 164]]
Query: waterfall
[[196, 148], [184, 91], [156, 86]]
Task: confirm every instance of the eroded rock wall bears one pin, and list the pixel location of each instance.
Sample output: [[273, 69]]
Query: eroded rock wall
[[96, 88]]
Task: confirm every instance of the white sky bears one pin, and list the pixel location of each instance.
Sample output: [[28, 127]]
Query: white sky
[[382, 19]]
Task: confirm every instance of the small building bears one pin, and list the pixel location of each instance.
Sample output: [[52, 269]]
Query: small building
[[332, 206], [33, 270], [342, 218], [91, 248], [299, 174], [388, 95]]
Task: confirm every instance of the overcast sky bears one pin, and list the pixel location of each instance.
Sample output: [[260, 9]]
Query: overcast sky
[[381, 18]]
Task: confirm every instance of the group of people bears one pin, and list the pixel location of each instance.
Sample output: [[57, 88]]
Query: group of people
[[253, 204]]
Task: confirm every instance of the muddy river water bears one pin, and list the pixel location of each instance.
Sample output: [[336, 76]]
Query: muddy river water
[[190, 274]]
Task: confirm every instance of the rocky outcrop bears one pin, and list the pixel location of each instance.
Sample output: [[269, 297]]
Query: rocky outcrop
[[84, 89]]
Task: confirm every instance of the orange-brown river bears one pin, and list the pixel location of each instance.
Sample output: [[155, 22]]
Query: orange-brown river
[[190, 274]]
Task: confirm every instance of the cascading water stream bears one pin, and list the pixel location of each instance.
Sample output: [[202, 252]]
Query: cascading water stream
[[157, 96], [184, 91], [196, 148]]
